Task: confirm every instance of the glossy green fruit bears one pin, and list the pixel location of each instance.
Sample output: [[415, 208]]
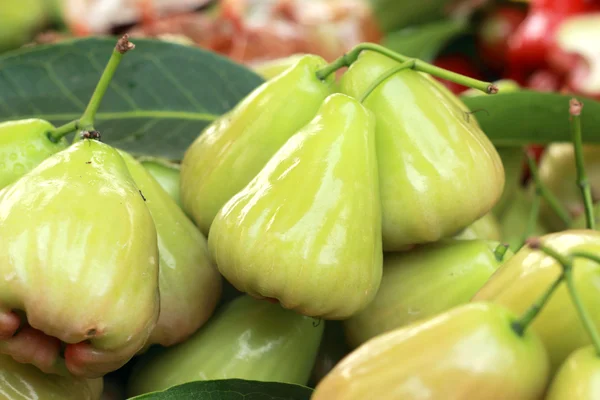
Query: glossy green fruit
[[189, 282], [271, 68], [167, 174], [314, 246], [525, 276], [233, 149], [514, 220], [557, 171], [512, 160], [23, 145], [24, 381], [469, 352], [438, 171], [248, 339], [424, 282], [486, 228], [19, 21], [79, 256], [512, 157], [578, 378]]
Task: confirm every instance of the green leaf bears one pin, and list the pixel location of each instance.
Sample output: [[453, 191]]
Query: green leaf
[[396, 14], [425, 41], [162, 96], [231, 389], [523, 117]]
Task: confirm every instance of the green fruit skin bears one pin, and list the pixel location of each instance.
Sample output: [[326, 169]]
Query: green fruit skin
[[438, 171], [78, 252], [19, 21], [578, 378], [190, 285], [424, 282], [315, 246], [270, 69], [24, 144], [514, 220], [167, 175], [557, 171], [248, 339], [526, 276], [486, 228], [469, 352], [233, 149], [24, 381]]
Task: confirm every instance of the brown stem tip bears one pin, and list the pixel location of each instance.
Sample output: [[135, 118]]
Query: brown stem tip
[[575, 107], [533, 243], [493, 89], [124, 45]]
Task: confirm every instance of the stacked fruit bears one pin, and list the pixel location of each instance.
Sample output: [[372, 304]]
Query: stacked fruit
[[375, 204]]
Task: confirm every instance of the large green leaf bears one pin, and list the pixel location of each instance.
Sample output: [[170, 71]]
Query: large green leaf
[[532, 117], [425, 41], [231, 389], [162, 96]]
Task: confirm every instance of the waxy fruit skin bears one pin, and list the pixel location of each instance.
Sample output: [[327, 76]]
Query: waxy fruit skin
[[20, 21], [79, 256], [524, 277], [558, 172], [189, 282], [247, 339], [234, 148], [424, 282], [578, 377], [25, 381], [271, 68], [486, 228], [469, 352], [307, 229], [23, 145], [167, 175], [438, 171]]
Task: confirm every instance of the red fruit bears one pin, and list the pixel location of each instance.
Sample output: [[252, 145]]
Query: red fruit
[[460, 64], [530, 45], [493, 34]]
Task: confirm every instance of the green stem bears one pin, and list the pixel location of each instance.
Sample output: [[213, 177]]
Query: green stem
[[567, 267], [63, 130], [521, 325], [384, 77], [350, 57], [585, 317], [584, 254], [547, 194], [533, 217], [86, 122], [575, 107], [500, 251]]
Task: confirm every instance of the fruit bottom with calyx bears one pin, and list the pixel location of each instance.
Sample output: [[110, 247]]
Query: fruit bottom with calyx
[[372, 211]]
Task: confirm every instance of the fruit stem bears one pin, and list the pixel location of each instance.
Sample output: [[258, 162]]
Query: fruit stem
[[567, 266], [500, 251], [350, 57], [575, 107], [545, 193], [533, 216], [86, 121], [385, 76]]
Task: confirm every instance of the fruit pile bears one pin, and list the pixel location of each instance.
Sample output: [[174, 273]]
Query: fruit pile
[[361, 235]]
